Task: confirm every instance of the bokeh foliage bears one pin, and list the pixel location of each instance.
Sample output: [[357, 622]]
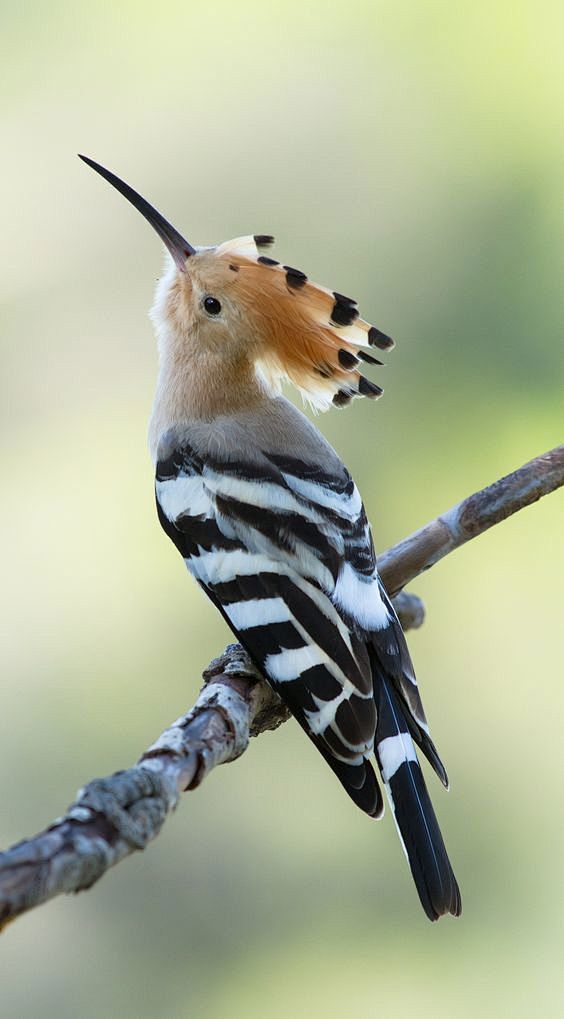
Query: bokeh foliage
[[410, 154]]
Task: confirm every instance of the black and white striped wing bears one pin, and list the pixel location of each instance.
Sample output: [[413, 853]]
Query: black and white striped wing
[[360, 598], [284, 551], [268, 548]]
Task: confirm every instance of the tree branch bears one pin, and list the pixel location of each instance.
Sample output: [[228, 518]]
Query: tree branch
[[114, 816], [471, 517]]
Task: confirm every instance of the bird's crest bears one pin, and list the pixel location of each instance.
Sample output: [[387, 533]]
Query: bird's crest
[[313, 336]]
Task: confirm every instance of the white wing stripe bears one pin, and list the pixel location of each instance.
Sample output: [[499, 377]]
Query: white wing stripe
[[183, 494], [341, 503], [325, 714], [289, 664], [219, 566], [258, 612], [262, 494]]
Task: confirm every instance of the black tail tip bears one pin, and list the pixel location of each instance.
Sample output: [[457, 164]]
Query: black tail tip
[[446, 903], [434, 878], [419, 830]]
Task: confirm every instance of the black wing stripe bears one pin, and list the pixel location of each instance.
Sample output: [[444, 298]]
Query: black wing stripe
[[204, 533], [359, 780], [311, 472], [321, 683], [267, 640], [338, 747], [352, 718]]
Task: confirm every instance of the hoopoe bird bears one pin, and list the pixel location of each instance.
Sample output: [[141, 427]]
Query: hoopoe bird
[[270, 523]]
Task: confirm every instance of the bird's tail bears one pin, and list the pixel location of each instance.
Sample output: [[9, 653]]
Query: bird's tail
[[415, 819]]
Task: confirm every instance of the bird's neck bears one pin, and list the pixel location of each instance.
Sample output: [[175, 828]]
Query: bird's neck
[[200, 388]]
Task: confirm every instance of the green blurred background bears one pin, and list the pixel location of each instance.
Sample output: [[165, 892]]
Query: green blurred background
[[410, 154]]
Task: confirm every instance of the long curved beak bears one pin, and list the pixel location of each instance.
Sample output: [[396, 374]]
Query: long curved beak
[[178, 247]]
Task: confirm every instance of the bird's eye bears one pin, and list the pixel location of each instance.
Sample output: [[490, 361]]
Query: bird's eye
[[212, 305]]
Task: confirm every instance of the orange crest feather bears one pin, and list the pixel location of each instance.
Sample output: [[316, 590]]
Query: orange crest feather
[[311, 335]]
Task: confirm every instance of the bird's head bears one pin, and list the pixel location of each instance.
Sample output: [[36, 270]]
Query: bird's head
[[237, 301]]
